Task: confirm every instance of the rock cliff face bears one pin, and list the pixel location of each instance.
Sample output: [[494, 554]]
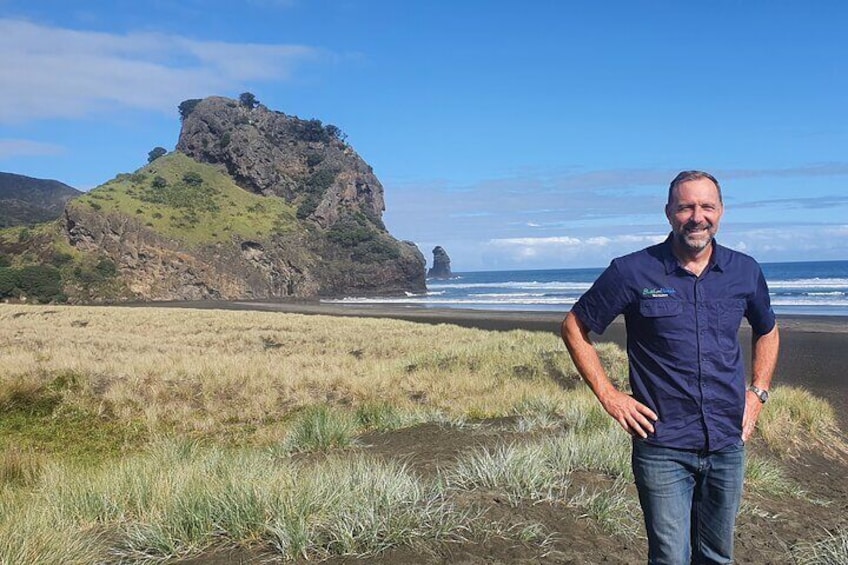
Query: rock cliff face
[[158, 268], [182, 227], [271, 153], [441, 268]]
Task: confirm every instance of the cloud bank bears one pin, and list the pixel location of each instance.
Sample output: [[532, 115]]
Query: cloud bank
[[577, 218], [51, 72]]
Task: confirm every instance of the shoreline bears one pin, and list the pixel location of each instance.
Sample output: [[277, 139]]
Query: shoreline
[[813, 355]]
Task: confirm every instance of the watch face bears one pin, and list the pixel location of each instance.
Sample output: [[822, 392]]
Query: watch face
[[764, 395]]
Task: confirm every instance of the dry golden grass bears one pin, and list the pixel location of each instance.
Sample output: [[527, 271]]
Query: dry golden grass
[[244, 374], [213, 372]]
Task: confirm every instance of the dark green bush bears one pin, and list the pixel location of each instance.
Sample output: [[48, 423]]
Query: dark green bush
[[8, 282], [106, 268], [314, 159], [376, 250], [58, 258], [186, 107], [319, 181], [349, 233], [335, 132], [155, 153], [312, 131], [308, 206], [191, 196], [41, 283], [102, 271], [192, 178], [248, 100]]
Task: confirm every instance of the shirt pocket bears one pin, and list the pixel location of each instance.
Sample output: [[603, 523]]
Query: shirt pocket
[[659, 308], [730, 313], [660, 322]]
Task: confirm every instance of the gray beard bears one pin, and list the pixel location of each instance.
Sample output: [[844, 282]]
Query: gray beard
[[694, 244]]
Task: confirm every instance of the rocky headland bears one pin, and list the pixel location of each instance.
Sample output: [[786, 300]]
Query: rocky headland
[[253, 204]]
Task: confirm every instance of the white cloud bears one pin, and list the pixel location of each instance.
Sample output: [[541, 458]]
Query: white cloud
[[26, 148], [836, 231], [788, 242], [564, 251], [50, 72], [536, 241]]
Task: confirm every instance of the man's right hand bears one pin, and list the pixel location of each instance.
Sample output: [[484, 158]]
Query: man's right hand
[[636, 418]]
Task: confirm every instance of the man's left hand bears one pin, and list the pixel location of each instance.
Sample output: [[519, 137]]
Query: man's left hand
[[752, 412]]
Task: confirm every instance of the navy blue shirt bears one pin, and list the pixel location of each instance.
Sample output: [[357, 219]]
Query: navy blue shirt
[[682, 338]]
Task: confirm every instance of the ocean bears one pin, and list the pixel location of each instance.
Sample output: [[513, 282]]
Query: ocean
[[802, 288]]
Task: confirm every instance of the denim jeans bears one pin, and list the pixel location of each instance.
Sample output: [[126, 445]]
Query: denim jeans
[[689, 500]]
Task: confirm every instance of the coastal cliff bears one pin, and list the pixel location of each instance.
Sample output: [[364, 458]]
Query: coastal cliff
[[253, 204]]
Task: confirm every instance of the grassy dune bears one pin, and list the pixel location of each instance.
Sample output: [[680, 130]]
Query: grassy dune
[[144, 434]]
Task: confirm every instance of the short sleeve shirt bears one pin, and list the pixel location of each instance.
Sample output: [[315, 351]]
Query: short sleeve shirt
[[682, 338]]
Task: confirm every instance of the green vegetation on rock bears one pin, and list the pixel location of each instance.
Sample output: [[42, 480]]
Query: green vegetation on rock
[[191, 202]]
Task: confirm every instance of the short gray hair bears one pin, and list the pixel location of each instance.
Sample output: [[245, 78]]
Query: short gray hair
[[685, 176]]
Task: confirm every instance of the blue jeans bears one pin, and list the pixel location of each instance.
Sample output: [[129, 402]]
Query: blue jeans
[[690, 500]]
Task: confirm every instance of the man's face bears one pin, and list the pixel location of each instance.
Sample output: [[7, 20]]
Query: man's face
[[694, 213]]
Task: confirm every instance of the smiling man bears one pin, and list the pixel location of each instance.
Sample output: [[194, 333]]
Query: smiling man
[[692, 409]]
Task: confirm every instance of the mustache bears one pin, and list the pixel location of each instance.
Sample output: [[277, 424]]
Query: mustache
[[695, 225]]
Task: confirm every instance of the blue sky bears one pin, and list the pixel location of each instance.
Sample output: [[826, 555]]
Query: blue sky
[[534, 134]]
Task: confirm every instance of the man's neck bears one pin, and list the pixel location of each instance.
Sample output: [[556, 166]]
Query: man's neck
[[694, 261]]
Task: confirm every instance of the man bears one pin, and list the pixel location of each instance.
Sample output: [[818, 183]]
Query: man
[[690, 412]]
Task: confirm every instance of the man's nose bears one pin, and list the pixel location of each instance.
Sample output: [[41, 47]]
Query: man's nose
[[698, 214]]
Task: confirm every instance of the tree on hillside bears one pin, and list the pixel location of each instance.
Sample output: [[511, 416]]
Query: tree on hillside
[[155, 153], [248, 100], [187, 106], [336, 132]]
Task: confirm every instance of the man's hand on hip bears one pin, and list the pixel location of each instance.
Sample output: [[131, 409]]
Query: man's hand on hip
[[753, 406], [636, 418]]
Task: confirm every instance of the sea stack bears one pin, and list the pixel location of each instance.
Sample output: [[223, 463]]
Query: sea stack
[[441, 264]]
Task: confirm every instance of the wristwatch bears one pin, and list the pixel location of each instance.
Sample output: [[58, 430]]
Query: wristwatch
[[763, 395]]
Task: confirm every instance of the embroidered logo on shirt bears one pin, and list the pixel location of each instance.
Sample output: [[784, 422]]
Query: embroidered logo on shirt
[[658, 292]]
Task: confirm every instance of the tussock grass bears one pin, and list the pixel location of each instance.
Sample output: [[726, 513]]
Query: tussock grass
[[794, 419], [605, 449], [539, 412], [767, 477], [521, 472], [542, 470], [382, 416], [20, 466], [179, 499], [614, 509], [319, 428], [832, 550]]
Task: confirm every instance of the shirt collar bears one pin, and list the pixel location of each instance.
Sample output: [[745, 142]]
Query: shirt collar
[[718, 261]]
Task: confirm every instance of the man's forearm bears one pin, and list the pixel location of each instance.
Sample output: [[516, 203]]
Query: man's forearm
[[764, 350], [633, 416], [585, 357]]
